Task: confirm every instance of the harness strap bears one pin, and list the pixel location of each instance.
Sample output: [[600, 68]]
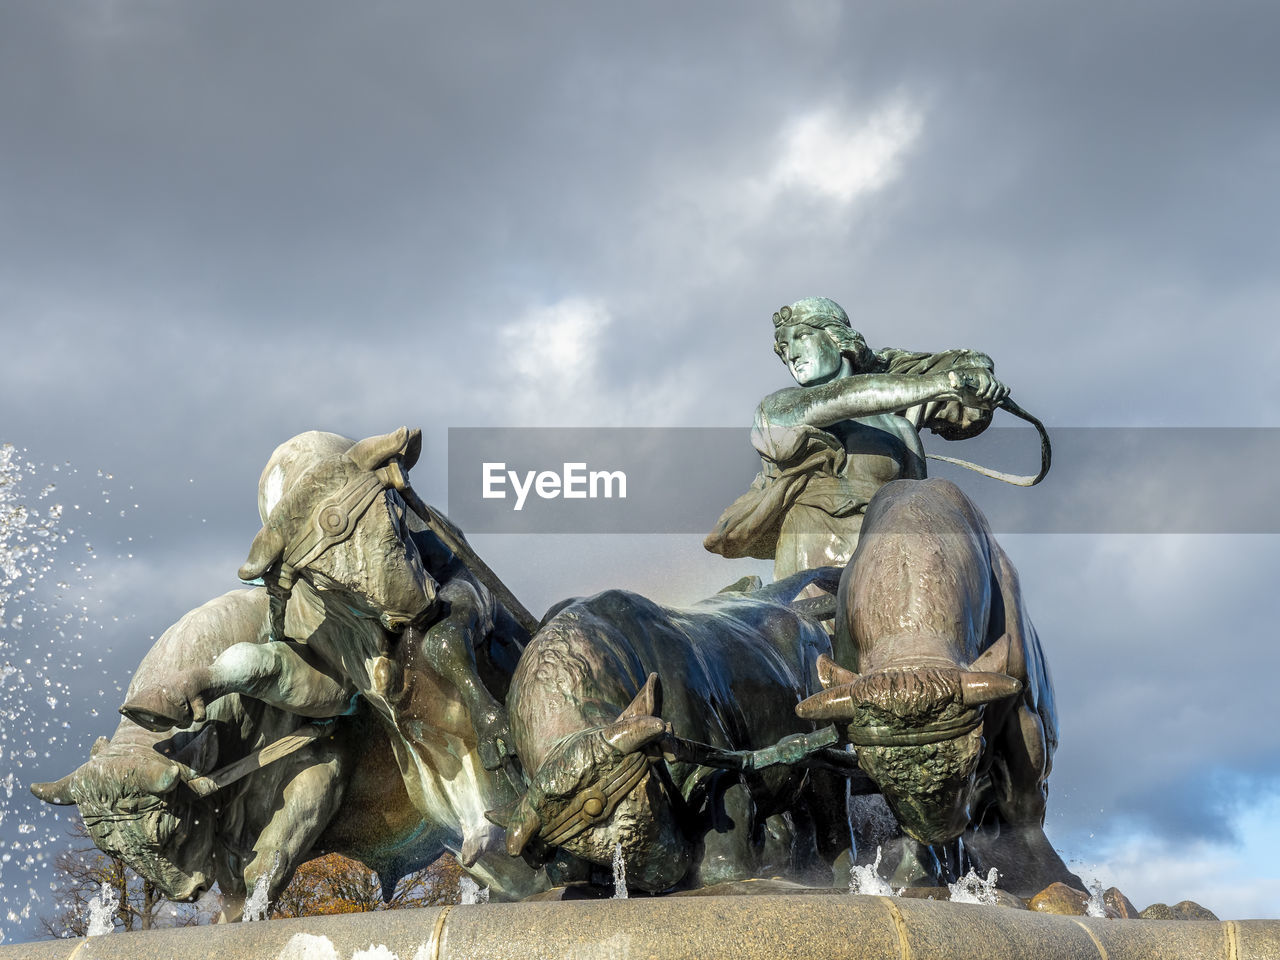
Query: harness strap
[[1030, 480], [881, 736], [335, 519], [596, 803], [276, 750]]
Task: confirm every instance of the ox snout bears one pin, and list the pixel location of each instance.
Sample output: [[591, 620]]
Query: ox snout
[[192, 890], [395, 621], [933, 823]]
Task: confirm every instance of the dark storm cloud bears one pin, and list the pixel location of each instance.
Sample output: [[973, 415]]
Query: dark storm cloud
[[223, 223]]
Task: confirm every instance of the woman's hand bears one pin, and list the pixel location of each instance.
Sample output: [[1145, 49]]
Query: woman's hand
[[977, 386]]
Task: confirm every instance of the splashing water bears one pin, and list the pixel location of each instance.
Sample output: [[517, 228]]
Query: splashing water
[[44, 598], [848, 813], [256, 907], [971, 888], [1096, 907], [102, 911], [619, 874], [259, 903], [470, 892], [308, 946], [376, 951], [866, 879]]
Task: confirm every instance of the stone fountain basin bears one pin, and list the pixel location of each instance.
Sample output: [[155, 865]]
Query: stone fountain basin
[[767, 927]]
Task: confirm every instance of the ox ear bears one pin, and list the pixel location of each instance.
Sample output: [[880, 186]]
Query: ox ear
[[521, 822], [634, 733], [374, 452], [267, 548], [647, 703], [503, 815], [412, 449], [831, 674], [201, 752], [994, 659], [58, 792]]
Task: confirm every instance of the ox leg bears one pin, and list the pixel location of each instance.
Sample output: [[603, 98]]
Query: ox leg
[[448, 646], [309, 801], [909, 863], [1010, 834], [729, 851], [283, 674], [280, 673]]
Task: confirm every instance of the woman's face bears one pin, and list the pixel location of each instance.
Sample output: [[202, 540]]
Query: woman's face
[[811, 355]]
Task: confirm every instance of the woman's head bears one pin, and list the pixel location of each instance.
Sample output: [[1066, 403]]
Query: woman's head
[[795, 323]]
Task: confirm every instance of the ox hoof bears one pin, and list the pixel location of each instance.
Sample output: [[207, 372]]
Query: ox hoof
[[159, 709]]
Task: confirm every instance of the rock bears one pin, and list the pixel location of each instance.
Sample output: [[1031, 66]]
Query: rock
[[1060, 899], [1184, 910], [1190, 910], [1117, 903]]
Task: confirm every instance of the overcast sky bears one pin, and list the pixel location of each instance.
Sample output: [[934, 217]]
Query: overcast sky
[[222, 223]]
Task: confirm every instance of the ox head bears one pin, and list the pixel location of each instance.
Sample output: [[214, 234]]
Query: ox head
[[136, 807], [338, 520], [918, 733], [595, 790]]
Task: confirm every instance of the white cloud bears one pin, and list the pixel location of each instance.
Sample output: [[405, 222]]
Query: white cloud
[[556, 347], [1235, 881], [553, 360], [718, 221], [843, 158], [552, 354]]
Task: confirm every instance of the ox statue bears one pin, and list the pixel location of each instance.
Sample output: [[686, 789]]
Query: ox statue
[[156, 800], [366, 616], [353, 580], [596, 701], [940, 679]]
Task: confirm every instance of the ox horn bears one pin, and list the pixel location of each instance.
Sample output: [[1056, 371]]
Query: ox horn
[[373, 452], [994, 659], [648, 702], [163, 779], [267, 548], [979, 688], [634, 733], [58, 792], [985, 679], [831, 674], [835, 703]]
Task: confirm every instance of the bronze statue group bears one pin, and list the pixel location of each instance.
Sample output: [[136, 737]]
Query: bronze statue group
[[375, 691]]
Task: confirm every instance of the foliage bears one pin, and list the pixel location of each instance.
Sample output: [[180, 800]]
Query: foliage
[[330, 884], [83, 869], [335, 884]]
